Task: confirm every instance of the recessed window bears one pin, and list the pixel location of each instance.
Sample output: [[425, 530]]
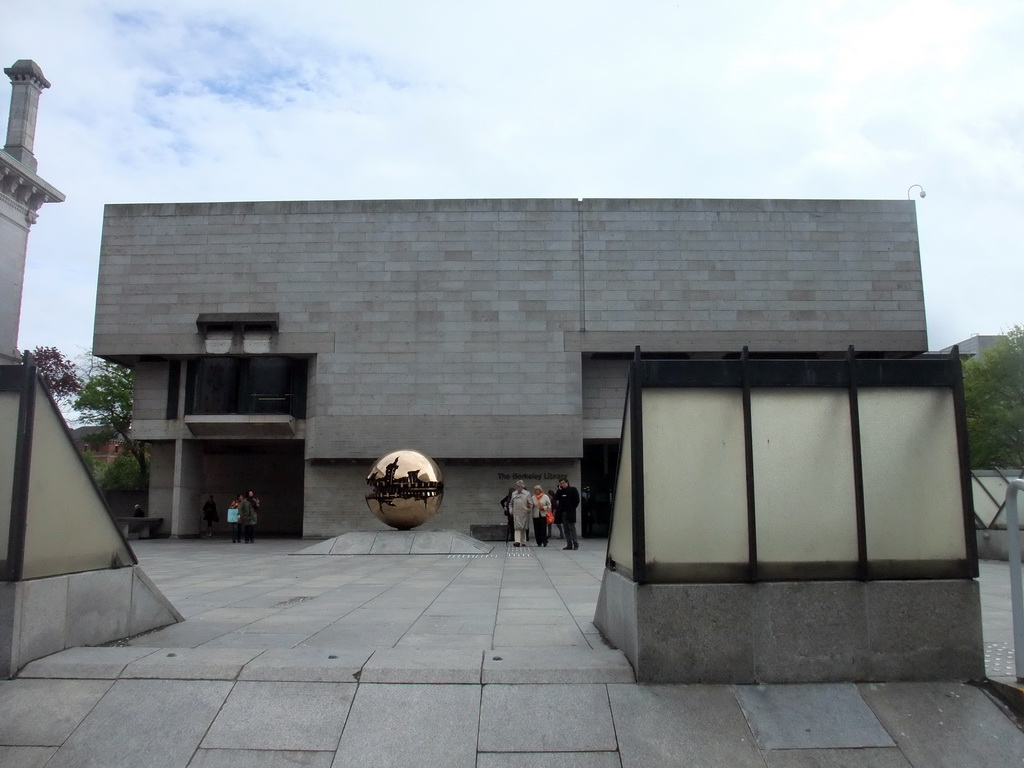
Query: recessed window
[[255, 385]]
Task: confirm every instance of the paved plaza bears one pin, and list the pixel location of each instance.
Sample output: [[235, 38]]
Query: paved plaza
[[477, 660]]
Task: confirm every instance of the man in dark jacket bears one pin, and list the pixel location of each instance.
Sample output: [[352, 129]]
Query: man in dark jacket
[[568, 499]]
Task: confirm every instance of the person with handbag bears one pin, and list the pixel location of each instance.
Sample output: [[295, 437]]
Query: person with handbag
[[542, 514], [236, 527]]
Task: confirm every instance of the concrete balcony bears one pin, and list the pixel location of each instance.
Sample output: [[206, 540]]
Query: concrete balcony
[[243, 426]]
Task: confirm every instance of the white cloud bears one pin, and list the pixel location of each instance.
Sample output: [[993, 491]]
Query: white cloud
[[242, 99]]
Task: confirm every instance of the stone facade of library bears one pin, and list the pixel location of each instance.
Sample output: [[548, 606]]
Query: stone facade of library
[[284, 346]]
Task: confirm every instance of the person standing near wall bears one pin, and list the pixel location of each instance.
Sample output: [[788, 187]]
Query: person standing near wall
[[568, 499], [557, 522], [210, 515], [236, 527], [247, 516], [541, 508], [520, 506]]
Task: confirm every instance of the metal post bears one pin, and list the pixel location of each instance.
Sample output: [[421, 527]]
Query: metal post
[[1016, 593]]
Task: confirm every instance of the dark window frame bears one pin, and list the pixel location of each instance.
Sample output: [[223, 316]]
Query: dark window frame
[[288, 397]]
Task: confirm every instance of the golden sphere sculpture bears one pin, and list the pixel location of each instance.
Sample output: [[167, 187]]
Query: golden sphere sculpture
[[405, 489]]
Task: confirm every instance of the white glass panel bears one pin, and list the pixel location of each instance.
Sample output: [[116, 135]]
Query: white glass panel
[[694, 476], [68, 528], [803, 476], [912, 498]]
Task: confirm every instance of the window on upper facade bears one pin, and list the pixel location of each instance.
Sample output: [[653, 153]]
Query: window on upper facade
[[254, 385]]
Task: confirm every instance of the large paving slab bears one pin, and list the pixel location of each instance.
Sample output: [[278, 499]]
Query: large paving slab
[[411, 725], [536, 718], [812, 716], [669, 725], [945, 725], [155, 723], [282, 716], [45, 712]]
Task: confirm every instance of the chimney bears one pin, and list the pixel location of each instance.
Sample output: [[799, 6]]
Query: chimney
[[27, 83]]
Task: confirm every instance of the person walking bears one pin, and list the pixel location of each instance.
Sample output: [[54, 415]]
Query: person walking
[[210, 515], [568, 499], [520, 505], [236, 527], [541, 509], [247, 516]]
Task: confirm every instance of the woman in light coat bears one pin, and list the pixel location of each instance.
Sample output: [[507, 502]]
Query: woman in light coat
[[520, 504], [541, 507]]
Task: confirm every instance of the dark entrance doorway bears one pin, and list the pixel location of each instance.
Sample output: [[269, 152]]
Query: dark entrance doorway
[[274, 470], [600, 463]]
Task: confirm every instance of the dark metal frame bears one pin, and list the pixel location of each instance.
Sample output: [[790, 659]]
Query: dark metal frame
[[746, 373]]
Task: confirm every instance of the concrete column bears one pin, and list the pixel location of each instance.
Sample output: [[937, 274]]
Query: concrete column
[[186, 493], [27, 82], [162, 471]]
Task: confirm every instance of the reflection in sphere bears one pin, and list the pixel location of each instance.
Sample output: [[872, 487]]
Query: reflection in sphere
[[405, 489]]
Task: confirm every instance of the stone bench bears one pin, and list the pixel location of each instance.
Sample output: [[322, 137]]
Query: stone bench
[[139, 527]]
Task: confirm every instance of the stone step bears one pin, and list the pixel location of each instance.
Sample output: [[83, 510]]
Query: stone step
[[382, 665]]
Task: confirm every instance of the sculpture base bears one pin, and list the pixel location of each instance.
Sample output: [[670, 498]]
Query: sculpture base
[[400, 543]]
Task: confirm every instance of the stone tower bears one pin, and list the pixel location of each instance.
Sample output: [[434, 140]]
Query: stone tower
[[22, 194]]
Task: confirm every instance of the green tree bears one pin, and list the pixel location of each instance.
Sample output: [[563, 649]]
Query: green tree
[[105, 400], [121, 474], [994, 391]]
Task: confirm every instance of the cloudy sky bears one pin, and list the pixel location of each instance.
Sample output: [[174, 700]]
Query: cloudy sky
[[207, 100]]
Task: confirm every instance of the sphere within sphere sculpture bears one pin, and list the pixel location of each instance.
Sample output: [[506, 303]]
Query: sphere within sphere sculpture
[[405, 489]]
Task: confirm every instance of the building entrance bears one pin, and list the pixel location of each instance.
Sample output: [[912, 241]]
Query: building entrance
[[273, 470], [600, 463]]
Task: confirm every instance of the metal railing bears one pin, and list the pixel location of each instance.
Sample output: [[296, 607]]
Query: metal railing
[[1016, 591]]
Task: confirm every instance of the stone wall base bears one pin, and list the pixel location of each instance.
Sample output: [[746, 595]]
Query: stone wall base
[[795, 632], [993, 544], [42, 616]]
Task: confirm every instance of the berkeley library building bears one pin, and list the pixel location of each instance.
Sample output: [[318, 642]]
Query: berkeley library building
[[283, 347]]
